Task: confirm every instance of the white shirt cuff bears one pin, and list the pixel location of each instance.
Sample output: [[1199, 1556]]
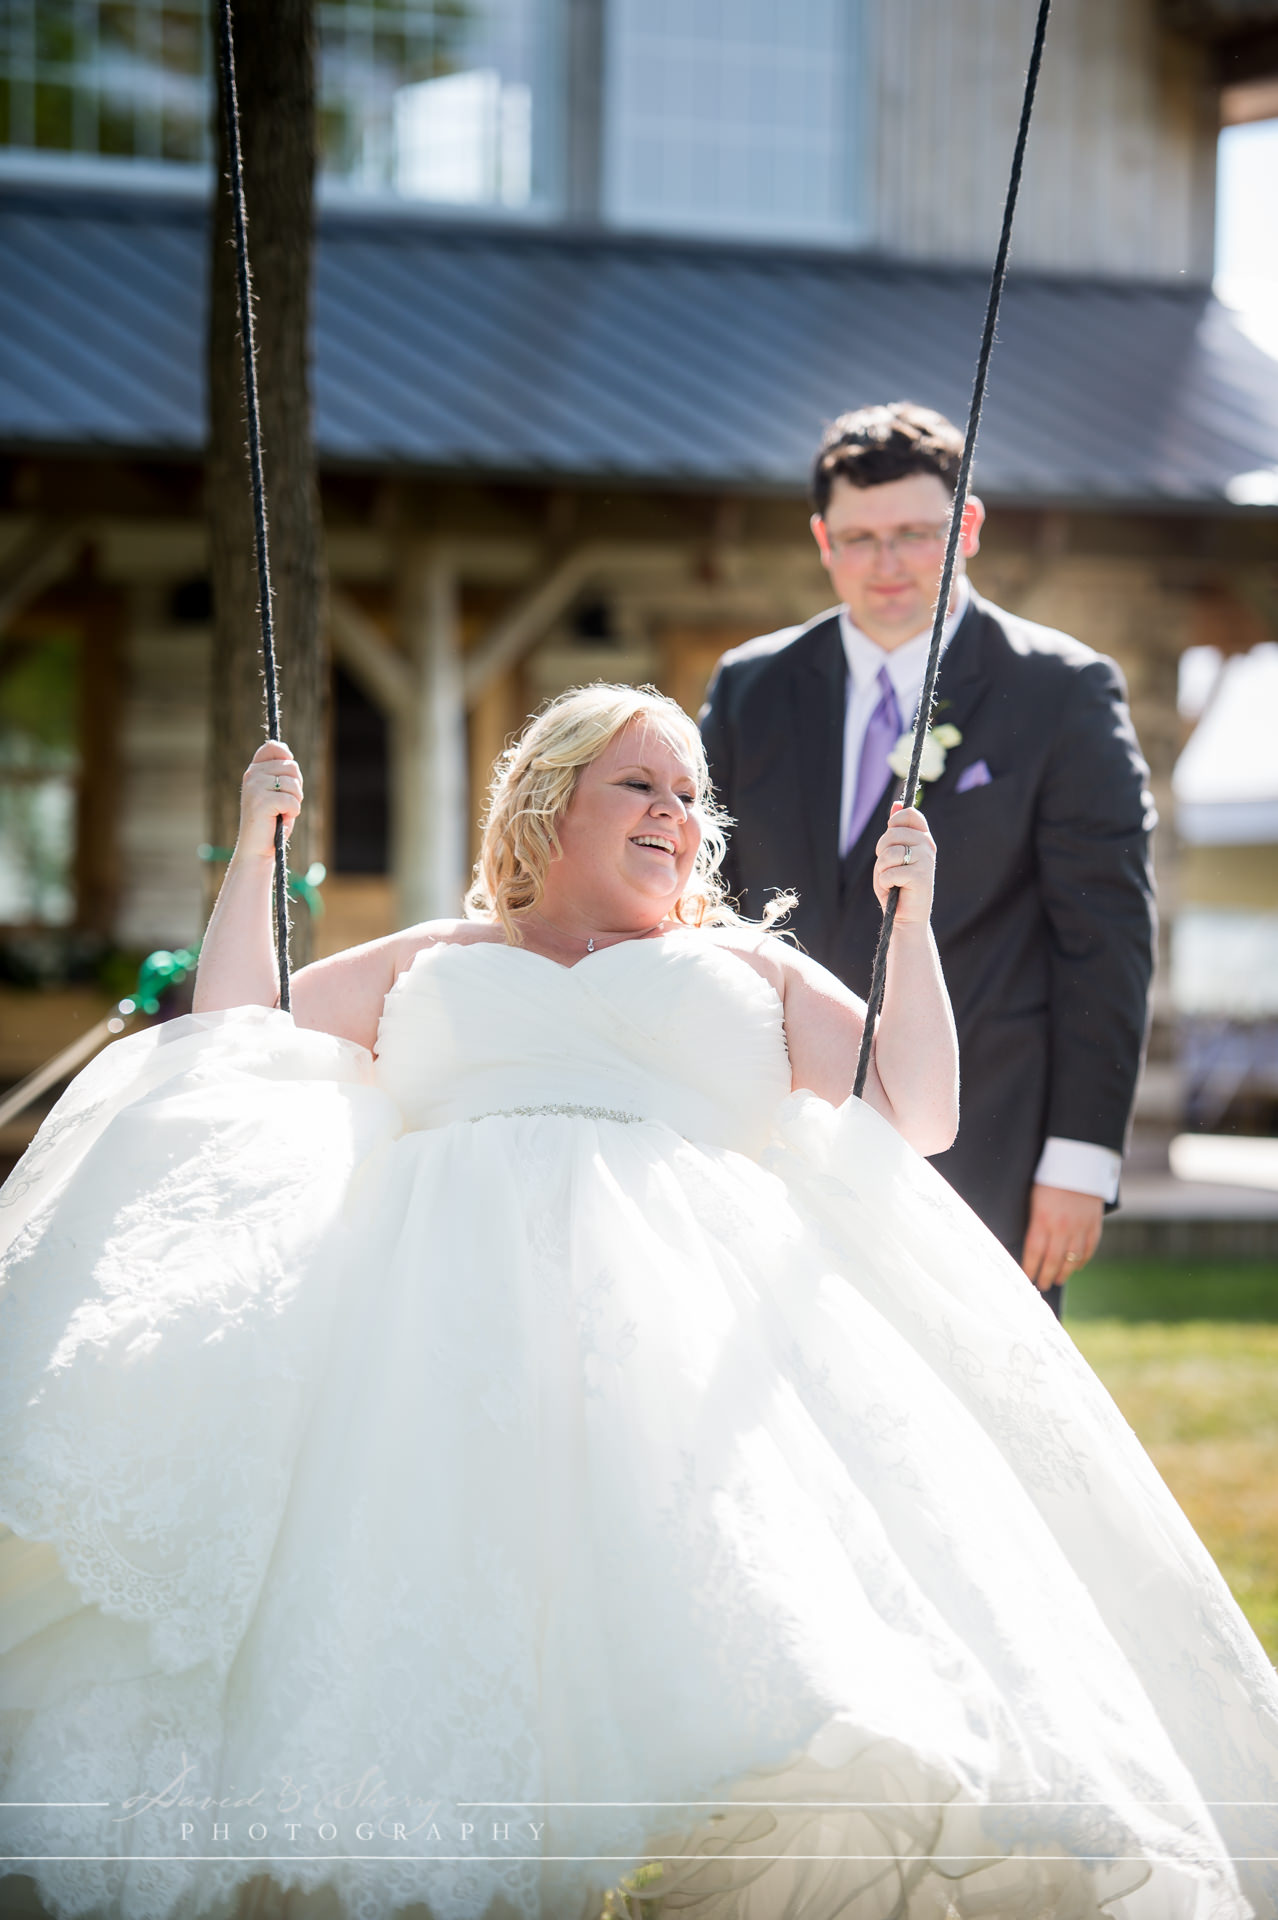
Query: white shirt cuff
[[1080, 1167]]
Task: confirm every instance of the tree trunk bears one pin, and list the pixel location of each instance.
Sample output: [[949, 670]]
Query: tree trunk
[[275, 82]]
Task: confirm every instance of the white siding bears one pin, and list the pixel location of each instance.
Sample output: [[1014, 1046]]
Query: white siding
[[162, 808], [1120, 171], [734, 117]]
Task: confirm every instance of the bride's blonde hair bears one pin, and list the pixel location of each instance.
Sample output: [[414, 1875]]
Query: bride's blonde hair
[[534, 780]]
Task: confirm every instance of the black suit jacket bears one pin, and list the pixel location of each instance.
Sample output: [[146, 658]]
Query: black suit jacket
[[1044, 905]]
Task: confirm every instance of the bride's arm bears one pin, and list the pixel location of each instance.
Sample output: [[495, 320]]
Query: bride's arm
[[342, 995], [237, 954], [913, 1072]]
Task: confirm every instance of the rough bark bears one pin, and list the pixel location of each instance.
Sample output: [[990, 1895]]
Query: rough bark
[[275, 77]]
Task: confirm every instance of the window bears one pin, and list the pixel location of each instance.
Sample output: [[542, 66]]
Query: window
[[435, 101], [39, 779], [126, 79], [450, 101], [1247, 249], [732, 116], [361, 780]]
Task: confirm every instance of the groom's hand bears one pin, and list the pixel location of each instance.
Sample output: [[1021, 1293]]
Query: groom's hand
[[1063, 1234]]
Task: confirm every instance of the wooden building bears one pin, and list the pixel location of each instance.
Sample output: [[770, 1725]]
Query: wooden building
[[569, 374]]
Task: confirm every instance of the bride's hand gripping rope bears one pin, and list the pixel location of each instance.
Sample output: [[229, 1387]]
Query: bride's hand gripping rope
[[905, 857], [272, 785]]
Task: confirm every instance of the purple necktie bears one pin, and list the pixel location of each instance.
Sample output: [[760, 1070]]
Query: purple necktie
[[881, 735]]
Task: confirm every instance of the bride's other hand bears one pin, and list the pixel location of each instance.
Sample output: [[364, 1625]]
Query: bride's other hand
[[905, 857], [272, 785]]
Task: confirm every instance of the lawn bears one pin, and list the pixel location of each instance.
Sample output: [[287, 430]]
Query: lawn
[[1190, 1353]]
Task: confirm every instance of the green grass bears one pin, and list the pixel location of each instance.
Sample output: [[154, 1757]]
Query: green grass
[[1228, 1290], [1191, 1356]]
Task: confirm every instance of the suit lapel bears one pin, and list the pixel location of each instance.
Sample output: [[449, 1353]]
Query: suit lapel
[[962, 681], [818, 692]]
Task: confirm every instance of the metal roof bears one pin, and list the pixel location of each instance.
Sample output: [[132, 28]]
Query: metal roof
[[444, 347]]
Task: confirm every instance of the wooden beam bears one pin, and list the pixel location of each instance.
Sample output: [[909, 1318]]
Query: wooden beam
[[35, 563], [383, 673], [506, 643], [523, 625], [427, 689]]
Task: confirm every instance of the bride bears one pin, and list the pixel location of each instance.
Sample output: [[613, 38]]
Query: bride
[[513, 1436]]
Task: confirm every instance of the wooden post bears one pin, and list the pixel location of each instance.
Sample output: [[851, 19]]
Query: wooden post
[[275, 80], [432, 787]]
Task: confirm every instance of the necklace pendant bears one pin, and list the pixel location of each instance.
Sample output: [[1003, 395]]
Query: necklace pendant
[[590, 945]]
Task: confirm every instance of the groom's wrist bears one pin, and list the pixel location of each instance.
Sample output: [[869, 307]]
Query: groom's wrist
[[1079, 1166]]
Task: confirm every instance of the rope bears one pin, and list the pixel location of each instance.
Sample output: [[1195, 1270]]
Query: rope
[[231, 115], [927, 698]]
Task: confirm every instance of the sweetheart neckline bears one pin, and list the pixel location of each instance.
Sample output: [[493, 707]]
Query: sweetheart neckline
[[506, 946], [644, 940], [560, 966]]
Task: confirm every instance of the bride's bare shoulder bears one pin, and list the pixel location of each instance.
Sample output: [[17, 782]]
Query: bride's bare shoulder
[[797, 977], [761, 951], [441, 933], [345, 992]]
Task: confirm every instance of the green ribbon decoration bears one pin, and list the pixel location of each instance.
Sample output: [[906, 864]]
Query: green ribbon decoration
[[158, 972]]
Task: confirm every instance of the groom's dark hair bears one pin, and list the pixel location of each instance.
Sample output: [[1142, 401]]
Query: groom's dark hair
[[878, 444]]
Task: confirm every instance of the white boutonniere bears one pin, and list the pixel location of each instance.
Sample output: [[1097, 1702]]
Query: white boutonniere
[[937, 742]]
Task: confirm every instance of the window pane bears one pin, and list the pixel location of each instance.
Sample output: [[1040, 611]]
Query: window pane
[[39, 774], [361, 792], [106, 76], [55, 31], [37, 833], [435, 100], [453, 101], [53, 116], [732, 116], [183, 30]]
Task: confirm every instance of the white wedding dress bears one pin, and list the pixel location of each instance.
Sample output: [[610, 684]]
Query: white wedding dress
[[441, 1480]]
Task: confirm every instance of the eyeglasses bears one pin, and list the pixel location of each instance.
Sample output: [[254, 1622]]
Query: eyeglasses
[[909, 542]]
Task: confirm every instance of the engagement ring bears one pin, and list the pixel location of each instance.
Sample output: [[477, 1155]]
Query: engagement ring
[[907, 856], [277, 783]]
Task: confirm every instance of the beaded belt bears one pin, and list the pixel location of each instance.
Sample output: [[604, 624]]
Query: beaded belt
[[584, 1113]]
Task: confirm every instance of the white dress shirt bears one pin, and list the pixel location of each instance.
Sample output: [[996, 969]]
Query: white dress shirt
[[1079, 1165]]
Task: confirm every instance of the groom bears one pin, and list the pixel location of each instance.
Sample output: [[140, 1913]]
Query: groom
[[1044, 910]]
